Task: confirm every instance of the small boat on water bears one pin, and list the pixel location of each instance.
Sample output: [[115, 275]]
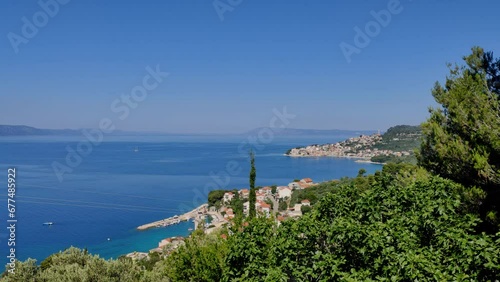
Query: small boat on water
[[48, 223], [190, 229], [136, 149]]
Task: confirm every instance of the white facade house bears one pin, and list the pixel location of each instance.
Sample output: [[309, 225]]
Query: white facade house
[[284, 191]]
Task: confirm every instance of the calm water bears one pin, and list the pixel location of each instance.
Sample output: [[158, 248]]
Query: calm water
[[115, 189]]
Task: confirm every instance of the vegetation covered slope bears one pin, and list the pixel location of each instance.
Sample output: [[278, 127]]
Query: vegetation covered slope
[[400, 138], [403, 225]]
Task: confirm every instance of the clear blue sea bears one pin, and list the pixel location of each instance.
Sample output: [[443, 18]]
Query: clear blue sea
[[116, 189]]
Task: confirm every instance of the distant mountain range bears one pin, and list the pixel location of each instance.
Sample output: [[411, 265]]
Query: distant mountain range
[[310, 132], [23, 130]]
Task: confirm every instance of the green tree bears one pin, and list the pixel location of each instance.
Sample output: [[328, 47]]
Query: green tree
[[273, 189], [249, 256], [305, 209], [76, 265], [252, 197], [200, 259], [237, 205], [484, 63], [282, 206], [462, 138], [361, 172], [269, 202], [215, 196]]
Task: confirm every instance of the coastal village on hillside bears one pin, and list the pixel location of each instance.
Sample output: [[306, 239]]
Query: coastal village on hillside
[[398, 142], [268, 200], [365, 147]]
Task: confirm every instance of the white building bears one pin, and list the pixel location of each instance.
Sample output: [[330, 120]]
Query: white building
[[284, 191]]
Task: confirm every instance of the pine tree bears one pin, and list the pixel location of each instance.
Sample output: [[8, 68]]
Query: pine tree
[[462, 138]]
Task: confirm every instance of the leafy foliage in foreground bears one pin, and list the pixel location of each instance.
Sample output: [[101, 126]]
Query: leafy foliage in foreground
[[406, 225], [402, 225], [417, 231], [76, 265], [200, 259]]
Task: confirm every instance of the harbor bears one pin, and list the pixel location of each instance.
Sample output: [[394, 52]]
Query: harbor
[[195, 214]]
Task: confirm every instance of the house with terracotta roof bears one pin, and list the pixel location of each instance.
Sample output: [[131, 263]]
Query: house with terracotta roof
[[305, 202], [303, 185], [229, 214], [307, 180], [258, 203], [266, 190], [260, 196], [244, 193], [265, 208]]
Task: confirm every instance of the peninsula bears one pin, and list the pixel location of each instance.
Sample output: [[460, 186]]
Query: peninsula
[[398, 143]]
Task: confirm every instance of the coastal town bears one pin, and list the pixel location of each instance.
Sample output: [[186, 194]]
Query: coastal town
[[270, 201], [282, 202], [363, 147]]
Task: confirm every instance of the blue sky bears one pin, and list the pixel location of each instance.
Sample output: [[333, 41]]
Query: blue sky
[[228, 75]]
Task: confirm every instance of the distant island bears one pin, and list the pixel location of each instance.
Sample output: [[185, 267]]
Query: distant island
[[397, 144]]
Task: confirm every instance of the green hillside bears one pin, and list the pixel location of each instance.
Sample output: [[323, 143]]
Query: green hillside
[[399, 138]]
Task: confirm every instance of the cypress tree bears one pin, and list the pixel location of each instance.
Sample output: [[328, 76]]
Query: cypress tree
[[252, 197]]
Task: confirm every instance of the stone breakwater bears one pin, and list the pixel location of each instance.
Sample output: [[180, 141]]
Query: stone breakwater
[[196, 213]]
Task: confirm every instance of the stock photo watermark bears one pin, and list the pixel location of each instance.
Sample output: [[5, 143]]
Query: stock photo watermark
[[32, 25], [363, 36], [256, 142], [121, 107], [223, 6], [12, 220]]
